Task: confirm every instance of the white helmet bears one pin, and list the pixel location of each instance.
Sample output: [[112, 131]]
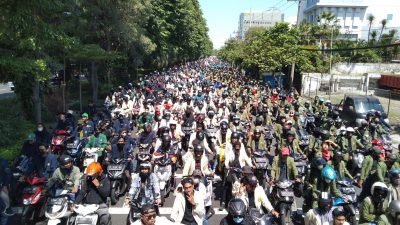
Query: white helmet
[[378, 185], [350, 129]]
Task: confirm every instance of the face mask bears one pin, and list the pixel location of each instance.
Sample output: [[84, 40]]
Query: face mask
[[320, 167], [196, 180], [143, 175], [238, 219], [325, 208], [40, 129], [328, 181]]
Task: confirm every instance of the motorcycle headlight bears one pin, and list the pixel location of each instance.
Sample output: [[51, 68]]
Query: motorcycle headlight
[[27, 201]]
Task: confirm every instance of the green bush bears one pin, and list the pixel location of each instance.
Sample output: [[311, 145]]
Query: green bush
[[13, 128]]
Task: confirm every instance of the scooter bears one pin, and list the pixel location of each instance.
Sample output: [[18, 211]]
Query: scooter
[[86, 214], [57, 208], [261, 163], [89, 155], [74, 149], [283, 198], [119, 181], [358, 158], [33, 200], [258, 218], [134, 212], [346, 188], [163, 171], [58, 141]]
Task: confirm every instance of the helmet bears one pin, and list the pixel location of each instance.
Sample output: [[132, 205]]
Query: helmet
[[200, 135], [93, 168], [224, 125], [252, 180], [394, 208], [164, 130], [166, 139], [290, 132], [378, 114], [236, 207], [350, 130], [325, 202], [321, 99], [328, 173], [211, 113], [64, 160], [235, 135], [198, 149], [319, 162], [394, 175], [145, 165], [379, 188]]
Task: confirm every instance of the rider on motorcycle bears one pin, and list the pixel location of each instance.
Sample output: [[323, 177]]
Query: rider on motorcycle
[[326, 183], [44, 164], [392, 216], [349, 143], [198, 162], [394, 186], [322, 212], [145, 187], [68, 174], [94, 189], [374, 206], [283, 166], [237, 214]]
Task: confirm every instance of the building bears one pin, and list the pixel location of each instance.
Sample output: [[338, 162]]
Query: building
[[258, 19], [352, 15]]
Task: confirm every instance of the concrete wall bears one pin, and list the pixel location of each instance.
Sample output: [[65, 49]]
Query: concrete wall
[[362, 68]]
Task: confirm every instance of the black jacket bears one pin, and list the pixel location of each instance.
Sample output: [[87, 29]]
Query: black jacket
[[227, 220], [89, 194]]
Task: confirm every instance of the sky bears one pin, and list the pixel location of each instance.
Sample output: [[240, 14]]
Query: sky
[[223, 15]]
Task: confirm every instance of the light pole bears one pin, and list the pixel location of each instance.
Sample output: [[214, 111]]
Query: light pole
[[330, 63]]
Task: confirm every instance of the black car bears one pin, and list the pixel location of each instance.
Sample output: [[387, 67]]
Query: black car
[[356, 107]]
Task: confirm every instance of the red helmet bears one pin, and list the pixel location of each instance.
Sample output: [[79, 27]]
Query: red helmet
[[253, 91]]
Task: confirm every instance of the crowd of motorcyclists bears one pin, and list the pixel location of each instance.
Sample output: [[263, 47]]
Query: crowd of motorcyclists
[[263, 147]]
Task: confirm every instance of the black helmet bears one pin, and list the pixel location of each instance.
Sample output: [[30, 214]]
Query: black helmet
[[290, 132], [235, 135], [198, 149], [224, 126], [394, 175], [252, 180], [164, 130], [319, 162], [64, 160], [211, 113], [200, 135], [324, 134], [378, 114], [236, 207], [166, 139]]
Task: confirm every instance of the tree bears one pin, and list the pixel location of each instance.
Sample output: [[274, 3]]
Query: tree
[[383, 26], [371, 19]]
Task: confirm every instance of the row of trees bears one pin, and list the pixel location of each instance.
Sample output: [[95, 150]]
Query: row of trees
[[277, 48], [112, 38]]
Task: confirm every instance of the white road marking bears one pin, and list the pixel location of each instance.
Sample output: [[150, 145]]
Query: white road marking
[[163, 211]]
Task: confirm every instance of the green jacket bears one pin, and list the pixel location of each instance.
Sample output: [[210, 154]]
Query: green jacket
[[342, 170], [261, 143], [345, 143], [378, 172], [365, 137], [58, 176], [385, 220], [294, 145], [291, 168], [366, 167], [99, 142], [322, 186], [368, 212]]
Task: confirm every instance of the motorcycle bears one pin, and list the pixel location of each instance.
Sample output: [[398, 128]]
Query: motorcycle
[[89, 155], [261, 163], [86, 214], [304, 138], [134, 212], [74, 149], [58, 141], [357, 158], [283, 198], [33, 200], [187, 130], [119, 181], [163, 171], [258, 218], [174, 154], [346, 188], [268, 136], [57, 208]]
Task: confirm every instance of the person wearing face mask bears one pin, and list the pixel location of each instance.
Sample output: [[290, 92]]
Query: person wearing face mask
[[377, 173], [394, 186], [321, 214], [374, 206], [326, 183], [122, 123], [283, 167], [42, 135], [66, 175], [122, 151], [145, 187], [237, 214], [30, 146], [44, 164], [94, 189], [349, 143], [98, 140]]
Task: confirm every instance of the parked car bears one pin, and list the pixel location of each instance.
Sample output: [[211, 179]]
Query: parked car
[[355, 108]]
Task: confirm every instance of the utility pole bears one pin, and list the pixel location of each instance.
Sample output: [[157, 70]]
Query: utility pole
[[297, 25], [330, 67]]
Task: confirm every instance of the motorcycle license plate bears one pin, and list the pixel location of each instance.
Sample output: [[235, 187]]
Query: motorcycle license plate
[[115, 167], [287, 193]]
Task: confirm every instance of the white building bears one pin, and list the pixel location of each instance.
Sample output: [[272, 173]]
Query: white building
[[258, 19], [353, 14]]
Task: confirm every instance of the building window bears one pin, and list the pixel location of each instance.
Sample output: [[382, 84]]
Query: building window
[[389, 17]]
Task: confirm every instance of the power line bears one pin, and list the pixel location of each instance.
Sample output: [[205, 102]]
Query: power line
[[289, 6], [351, 49]]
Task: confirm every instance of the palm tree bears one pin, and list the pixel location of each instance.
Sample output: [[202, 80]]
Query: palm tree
[[383, 26], [327, 22], [374, 34], [370, 19]]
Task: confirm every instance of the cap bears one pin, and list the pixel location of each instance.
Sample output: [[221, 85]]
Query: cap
[[285, 151], [85, 115], [30, 137]]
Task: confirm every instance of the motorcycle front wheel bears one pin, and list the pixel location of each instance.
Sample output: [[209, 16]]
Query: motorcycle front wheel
[[114, 194], [27, 215]]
